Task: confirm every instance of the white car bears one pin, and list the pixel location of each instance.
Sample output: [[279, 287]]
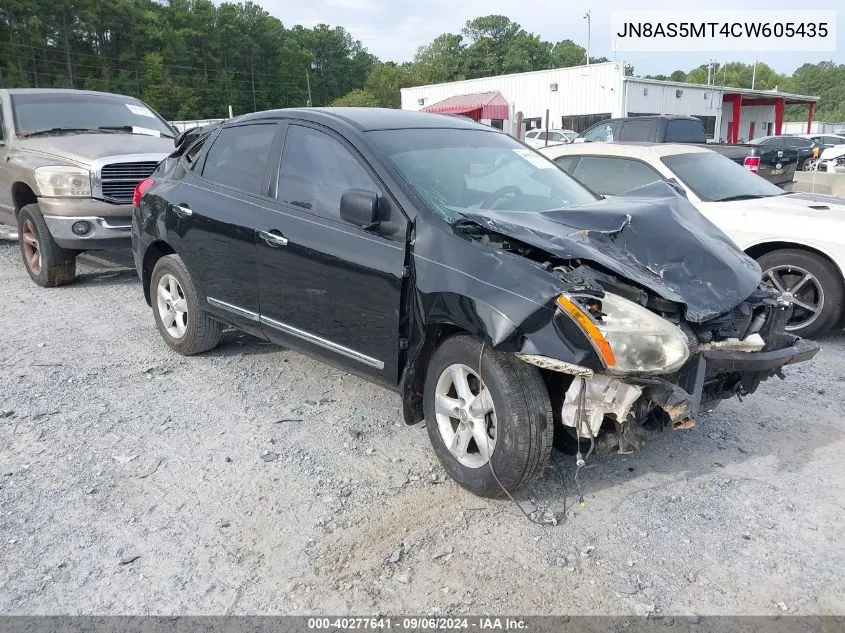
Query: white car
[[832, 160], [537, 138], [797, 238]]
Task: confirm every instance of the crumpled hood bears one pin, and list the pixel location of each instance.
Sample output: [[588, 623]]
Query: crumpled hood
[[84, 148], [651, 236]]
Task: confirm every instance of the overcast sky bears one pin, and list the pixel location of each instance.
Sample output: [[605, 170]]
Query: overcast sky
[[393, 29]]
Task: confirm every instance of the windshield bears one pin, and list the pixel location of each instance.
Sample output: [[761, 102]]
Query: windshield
[[58, 111], [713, 177], [457, 170]]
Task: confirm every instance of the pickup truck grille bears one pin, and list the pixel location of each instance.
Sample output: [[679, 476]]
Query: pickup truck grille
[[118, 180]]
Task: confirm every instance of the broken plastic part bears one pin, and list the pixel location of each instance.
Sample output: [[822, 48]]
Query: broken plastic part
[[686, 423], [544, 362], [604, 396], [753, 343]]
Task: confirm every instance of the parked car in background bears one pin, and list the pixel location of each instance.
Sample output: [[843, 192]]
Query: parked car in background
[[777, 165], [825, 140], [798, 239], [808, 149], [69, 163], [442, 258], [832, 160], [538, 138]]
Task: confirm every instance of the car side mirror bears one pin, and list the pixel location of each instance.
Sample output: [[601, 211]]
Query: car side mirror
[[579, 139], [360, 207]]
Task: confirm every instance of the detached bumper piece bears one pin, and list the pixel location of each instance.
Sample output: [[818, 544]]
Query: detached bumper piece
[[707, 379]]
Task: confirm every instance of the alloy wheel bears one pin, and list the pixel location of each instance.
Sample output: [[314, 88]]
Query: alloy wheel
[[31, 251], [172, 306], [801, 288], [465, 415]]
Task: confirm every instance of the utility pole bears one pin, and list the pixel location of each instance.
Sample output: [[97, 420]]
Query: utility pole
[[754, 74], [308, 82], [587, 18]]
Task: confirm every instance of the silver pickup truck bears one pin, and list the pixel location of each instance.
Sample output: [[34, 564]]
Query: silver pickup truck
[[69, 164]]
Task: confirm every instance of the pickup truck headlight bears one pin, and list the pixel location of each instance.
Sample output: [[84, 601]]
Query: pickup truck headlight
[[63, 182], [627, 337]]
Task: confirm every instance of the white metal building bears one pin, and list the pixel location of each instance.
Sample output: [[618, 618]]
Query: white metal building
[[579, 96]]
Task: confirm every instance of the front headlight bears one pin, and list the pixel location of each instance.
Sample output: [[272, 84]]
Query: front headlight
[[626, 336], [63, 182]]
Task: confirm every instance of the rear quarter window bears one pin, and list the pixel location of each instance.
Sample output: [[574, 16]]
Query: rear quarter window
[[611, 176], [642, 130], [238, 158], [684, 131]]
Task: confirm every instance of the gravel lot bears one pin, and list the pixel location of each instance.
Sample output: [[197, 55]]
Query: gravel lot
[[255, 480]]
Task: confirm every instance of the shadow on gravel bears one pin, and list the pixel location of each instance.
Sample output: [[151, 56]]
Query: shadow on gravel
[[113, 267], [237, 343]]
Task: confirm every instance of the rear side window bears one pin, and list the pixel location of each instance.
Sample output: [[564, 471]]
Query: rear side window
[[638, 130], [612, 176], [684, 131], [600, 132], [567, 163], [798, 142], [316, 169], [238, 157]]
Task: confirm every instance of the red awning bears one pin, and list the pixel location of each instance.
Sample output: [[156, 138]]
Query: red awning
[[479, 105]]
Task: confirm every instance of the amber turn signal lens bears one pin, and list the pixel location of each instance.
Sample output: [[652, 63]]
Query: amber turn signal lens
[[589, 328]]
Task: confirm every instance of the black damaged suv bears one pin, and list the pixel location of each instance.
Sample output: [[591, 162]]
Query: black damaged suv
[[445, 260]]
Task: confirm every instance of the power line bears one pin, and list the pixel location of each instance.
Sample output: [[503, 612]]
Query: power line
[[139, 61], [169, 74]]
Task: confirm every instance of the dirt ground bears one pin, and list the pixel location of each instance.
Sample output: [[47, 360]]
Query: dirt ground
[[253, 480]]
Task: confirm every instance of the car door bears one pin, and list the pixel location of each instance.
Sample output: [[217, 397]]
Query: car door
[[214, 213], [329, 288], [611, 175]]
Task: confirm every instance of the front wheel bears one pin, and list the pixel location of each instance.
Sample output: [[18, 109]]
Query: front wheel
[[47, 263], [810, 164], [488, 417], [183, 326], [813, 285]]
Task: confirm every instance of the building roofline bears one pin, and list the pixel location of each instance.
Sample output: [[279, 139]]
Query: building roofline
[[530, 72], [761, 94]]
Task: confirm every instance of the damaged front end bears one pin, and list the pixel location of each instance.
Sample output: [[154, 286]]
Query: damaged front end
[[677, 316], [657, 366]]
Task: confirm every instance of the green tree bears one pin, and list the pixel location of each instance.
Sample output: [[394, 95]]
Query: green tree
[[567, 53], [385, 82], [500, 46], [440, 61], [357, 98]]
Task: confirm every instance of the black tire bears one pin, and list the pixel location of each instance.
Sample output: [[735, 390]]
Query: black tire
[[47, 263], [523, 437], [201, 333], [828, 278]]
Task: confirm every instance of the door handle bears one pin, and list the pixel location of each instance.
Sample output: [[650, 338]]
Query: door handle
[[183, 210], [273, 238]]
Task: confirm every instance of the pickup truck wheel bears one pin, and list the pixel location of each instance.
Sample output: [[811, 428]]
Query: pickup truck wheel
[[813, 284], [47, 263], [183, 326], [487, 411]]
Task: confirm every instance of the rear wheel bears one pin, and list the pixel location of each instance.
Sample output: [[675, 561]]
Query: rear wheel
[[487, 412], [183, 326], [47, 263], [811, 282]]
